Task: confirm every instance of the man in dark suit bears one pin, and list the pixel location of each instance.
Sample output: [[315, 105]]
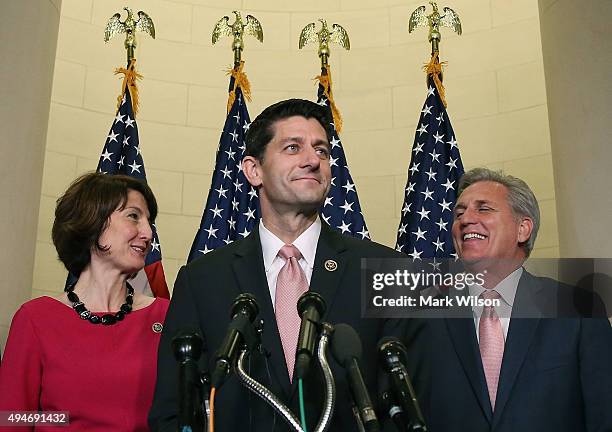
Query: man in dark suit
[[287, 160], [539, 360]]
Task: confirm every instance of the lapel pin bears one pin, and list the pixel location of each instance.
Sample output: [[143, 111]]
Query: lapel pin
[[331, 265], [157, 327]]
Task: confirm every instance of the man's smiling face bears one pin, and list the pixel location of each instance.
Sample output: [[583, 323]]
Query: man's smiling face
[[486, 232], [295, 172]]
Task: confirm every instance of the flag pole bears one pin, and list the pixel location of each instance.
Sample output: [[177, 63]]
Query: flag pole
[[232, 208], [341, 210], [435, 167], [129, 26], [237, 30], [324, 36], [434, 21]]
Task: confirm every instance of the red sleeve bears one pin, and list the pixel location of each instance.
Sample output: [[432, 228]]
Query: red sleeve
[[21, 367]]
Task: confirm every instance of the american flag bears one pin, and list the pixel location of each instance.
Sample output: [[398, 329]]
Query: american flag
[[121, 155], [232, 206], [341, 209], [431, 189]]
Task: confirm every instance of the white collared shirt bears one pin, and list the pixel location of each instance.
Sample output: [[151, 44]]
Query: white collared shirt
[[271, 244], [507, 290]]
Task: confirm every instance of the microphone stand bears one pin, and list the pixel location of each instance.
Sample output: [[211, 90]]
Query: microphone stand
[[330, 385], [271, 399], [205, 397], [187, 350]]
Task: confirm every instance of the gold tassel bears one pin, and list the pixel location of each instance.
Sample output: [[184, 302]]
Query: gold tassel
[[129, 82], [434, 68], [325, 80], [240, 80]]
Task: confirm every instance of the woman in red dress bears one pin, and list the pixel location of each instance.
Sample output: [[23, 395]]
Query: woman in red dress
[[90, 352]]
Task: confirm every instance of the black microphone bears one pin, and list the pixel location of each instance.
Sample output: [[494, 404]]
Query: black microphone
[[393, 356], [311, 307], [394, 411], [187, 348], [346, 349], [240, 331]]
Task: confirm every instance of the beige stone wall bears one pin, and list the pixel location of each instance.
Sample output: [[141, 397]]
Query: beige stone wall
[[579, 92], [494, 81], [28, 36]]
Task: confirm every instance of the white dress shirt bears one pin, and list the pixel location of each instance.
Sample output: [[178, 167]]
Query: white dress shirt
[[271, 244], [507, 290]]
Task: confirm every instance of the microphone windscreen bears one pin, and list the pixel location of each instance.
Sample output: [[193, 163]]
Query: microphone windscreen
[[247, 304], [311, 298], [345, 344], [391, 344], [385, 341], [187, 343]]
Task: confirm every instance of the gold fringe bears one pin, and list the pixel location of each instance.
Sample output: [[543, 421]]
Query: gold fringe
[[129, 82], [434, 69], [325, 80], [240, 80]]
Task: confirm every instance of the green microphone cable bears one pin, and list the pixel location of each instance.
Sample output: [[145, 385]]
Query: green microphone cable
[[302, 410]]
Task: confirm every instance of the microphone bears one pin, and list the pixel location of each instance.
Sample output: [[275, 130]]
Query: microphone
[[346, 349], [187, 348], [395, 412], [311, 307], [392, 354], [240, 331]]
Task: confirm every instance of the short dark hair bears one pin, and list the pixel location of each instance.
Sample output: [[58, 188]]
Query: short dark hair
[[83, 212], [261, 130]]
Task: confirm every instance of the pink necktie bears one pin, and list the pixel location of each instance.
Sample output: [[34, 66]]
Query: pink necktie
[[290, 285], [491, 339]]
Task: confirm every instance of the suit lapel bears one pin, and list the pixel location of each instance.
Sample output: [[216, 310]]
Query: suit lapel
[[520, 336], [463, 336], [330, 250], [250, 273]]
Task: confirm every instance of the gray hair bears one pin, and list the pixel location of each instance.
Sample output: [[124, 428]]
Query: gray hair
[[521, 199]]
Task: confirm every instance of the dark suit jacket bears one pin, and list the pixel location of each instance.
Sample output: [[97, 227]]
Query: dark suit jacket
[[203, 293], [556, 373]]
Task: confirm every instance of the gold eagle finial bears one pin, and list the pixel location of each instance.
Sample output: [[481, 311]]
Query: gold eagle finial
[[115, 26], [434, 20], [324, 37], [237, 30]]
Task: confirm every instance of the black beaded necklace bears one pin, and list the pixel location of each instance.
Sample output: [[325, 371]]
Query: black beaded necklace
[[106, 319]]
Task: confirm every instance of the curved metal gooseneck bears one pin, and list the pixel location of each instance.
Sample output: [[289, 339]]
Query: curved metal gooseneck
[[264, 393], [330, 385], [271, 399]]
